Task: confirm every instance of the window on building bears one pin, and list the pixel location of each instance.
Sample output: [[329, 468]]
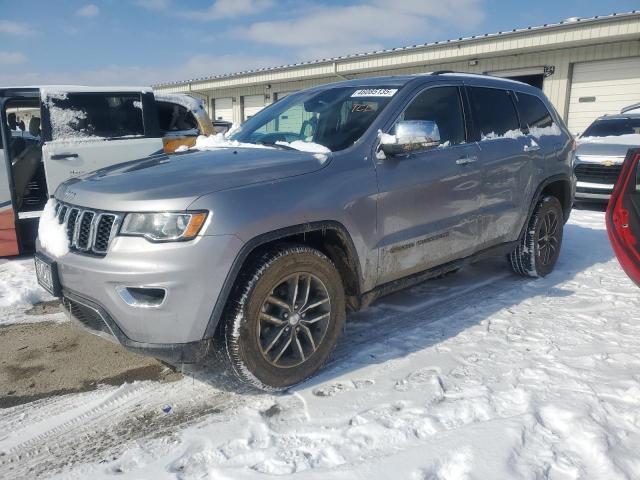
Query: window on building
[[493, 112], [443, 106]]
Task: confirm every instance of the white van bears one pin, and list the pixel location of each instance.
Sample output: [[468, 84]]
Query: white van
[[52, 133]]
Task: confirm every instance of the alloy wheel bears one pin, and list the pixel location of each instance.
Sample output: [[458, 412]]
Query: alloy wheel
[[294, 319], [548, 241]]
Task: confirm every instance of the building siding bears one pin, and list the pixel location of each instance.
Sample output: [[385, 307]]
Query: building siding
[[561, 47]]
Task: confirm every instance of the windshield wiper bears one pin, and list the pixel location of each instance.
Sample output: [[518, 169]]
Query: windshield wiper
[[276, 145]]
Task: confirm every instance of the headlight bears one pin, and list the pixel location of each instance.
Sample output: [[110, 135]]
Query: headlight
[[163, 226]]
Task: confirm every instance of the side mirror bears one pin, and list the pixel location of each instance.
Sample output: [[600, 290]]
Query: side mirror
[[411, 136]]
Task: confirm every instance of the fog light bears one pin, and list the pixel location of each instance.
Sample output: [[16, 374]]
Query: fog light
[[142, 297]]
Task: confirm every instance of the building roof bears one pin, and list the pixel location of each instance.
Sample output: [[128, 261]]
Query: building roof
[[570, 22]]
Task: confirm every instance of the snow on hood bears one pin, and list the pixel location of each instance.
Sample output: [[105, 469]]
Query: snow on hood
[[219, 140], [628, 139], [320, 152], [51, 234], [306, 146], [214, 142]]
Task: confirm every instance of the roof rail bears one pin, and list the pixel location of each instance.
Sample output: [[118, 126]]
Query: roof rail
[[635, 106], [440, 72]]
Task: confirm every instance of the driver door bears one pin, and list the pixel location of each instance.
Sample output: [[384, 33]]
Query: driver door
[[88, 130], [428, 207], [623, 216]]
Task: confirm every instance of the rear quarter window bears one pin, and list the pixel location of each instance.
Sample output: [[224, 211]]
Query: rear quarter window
[[533, 113], [493, 112], [174, 118]]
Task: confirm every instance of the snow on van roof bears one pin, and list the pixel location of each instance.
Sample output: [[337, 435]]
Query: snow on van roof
[[50, 90]]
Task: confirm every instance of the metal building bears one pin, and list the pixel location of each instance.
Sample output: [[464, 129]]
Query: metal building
[[586, 66]]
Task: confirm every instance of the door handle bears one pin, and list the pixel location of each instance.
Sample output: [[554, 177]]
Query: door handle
[[466, 160], [63, 156], [532, 148]]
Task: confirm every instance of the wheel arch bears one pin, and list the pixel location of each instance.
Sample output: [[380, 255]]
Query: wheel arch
[[558, 186], [330, 237]]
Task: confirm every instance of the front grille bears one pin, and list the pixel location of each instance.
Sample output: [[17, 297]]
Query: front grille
[[85, 315], [88, 231], [598, 173]]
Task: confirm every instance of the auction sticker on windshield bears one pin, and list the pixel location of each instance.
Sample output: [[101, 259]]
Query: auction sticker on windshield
[[375, 92]]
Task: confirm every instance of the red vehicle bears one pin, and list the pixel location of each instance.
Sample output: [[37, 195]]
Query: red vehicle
[[623, 216]]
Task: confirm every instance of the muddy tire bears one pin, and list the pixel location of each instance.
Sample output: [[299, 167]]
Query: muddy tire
[[285, 318], [539, 247]]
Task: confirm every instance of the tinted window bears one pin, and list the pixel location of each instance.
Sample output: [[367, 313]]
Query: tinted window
[[102, 115], [533, 113], [175, 118], [493, 111], [613, 127], [441, 105]]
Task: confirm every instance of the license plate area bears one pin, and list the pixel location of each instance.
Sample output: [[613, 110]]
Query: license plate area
[[47, 275]]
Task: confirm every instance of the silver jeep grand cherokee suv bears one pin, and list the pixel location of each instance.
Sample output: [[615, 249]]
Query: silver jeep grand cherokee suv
[[359, 188]]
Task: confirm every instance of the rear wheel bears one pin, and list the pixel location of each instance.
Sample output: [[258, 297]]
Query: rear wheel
[[539, 248], [287, 315]]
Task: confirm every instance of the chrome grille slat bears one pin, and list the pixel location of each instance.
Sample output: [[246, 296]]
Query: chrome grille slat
[[88, 231]]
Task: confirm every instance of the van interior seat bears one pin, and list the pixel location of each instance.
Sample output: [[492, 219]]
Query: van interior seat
[[26, 163]]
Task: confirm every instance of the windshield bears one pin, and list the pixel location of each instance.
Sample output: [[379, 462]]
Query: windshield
[[613, 127], [334, 118]]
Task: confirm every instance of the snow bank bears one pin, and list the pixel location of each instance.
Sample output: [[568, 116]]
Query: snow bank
[[18, 286], [52, 235], [632, 139]]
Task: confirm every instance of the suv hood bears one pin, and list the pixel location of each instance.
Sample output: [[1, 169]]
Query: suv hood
[[173, 182], [608, 146]]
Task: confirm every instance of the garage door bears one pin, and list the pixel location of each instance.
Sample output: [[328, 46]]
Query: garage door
[[599, 88], [251, 104], [223, 109]]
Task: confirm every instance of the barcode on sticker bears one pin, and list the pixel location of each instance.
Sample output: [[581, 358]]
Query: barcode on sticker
[[375, 92]]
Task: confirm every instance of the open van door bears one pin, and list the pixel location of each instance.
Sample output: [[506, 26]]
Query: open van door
[[623, 216], [8, 237], [86, 129]]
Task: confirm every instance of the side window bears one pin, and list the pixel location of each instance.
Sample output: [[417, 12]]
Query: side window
[[174, 118], [443, 106], [493, 112], [533, 113], [95, 115]]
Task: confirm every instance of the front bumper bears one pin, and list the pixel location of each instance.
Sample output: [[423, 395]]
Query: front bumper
[[593, 191], [95, 319], [192, 274]]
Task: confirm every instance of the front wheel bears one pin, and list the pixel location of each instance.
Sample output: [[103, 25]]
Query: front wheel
[[285, 320], [537, 253]]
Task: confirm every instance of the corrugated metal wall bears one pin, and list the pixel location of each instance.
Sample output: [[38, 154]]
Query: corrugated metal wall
[[558, 48]]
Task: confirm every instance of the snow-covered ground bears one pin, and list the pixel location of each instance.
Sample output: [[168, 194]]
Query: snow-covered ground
[[481, 375], [19, 291]]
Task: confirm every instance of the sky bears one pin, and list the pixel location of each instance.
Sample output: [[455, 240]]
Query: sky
[[143, 42]]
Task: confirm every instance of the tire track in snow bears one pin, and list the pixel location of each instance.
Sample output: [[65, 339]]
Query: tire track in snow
[[101, 429]]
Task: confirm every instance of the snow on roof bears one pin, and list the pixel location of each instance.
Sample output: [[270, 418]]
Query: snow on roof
[[187, 101], [46, 89], [572, 21]]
